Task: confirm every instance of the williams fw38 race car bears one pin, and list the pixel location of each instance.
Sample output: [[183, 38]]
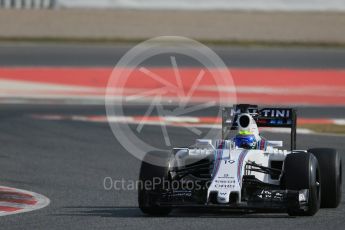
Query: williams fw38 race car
[[243, 171]]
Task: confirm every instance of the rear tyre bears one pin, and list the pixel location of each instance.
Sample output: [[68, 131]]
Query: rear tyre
[[150, 188], [302, 172], [331, 176]]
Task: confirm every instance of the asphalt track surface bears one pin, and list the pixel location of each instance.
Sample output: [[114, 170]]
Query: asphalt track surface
[[109, 55], [67, 161]]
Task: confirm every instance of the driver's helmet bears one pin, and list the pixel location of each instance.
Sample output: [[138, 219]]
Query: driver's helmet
[[245, 140]]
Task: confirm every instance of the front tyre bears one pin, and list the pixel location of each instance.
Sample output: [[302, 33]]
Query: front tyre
[[331, 176], [302, 172], [150, 188]]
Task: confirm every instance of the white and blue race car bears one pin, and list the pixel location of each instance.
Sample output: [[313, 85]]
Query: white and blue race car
[[244, 172]]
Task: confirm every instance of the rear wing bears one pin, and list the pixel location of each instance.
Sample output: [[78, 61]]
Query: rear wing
[[265, 117]]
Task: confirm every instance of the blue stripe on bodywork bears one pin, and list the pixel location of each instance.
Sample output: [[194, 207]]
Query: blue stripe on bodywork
[[240, 165], [217, 158]]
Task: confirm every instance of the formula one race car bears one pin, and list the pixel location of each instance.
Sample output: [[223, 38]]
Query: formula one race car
[[243, 171]]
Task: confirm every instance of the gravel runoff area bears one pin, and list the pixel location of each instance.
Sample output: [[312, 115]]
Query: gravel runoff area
[[212, 26]]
